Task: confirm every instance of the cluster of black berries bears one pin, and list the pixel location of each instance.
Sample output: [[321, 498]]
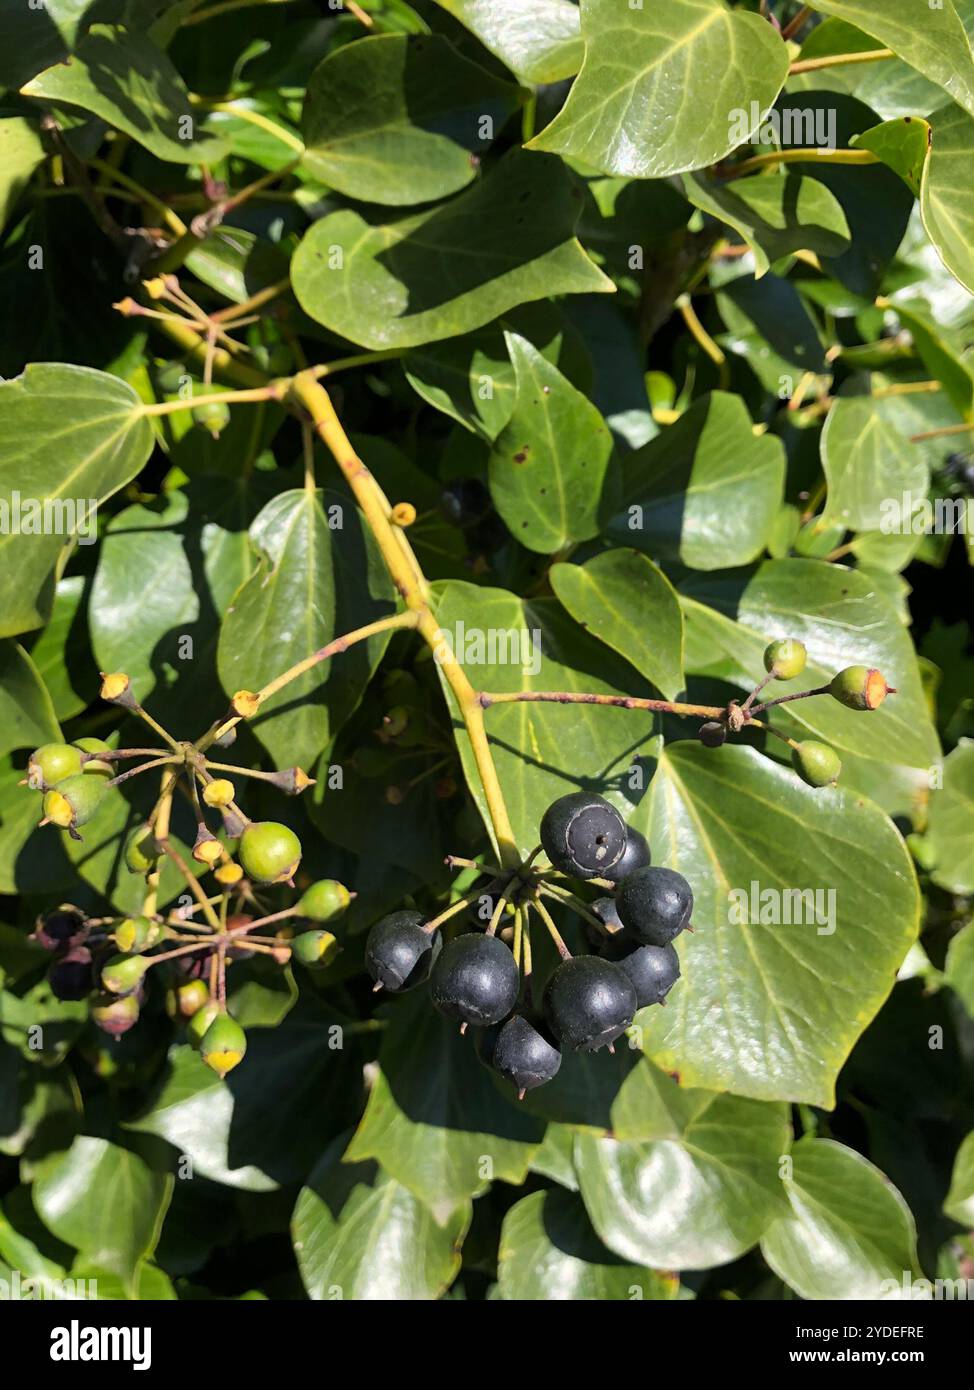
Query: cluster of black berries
[[589, 1000]]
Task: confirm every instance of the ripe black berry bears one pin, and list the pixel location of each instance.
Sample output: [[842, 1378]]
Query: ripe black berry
[[583, 835], [523, 1055], [636, 855], [713, 733], [475, 980], [606, 911], [60, 929], [399, 953], [589, 1002], [71, 977], [655, 905], [654, 970]]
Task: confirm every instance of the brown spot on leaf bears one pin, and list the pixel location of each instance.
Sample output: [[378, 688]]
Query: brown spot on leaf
[[522, 453]]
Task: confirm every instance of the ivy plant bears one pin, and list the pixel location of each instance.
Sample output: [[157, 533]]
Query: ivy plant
[[485, 648]]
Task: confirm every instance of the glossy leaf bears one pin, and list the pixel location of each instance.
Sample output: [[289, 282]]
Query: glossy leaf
[[360, 1235], [951, 827], [318, 576], [959, 1204], [120, 75], [27, 716], [21, 151], [706, 491], [849, 1234], [934, 42], [549, 464], [619, 117], [803, 990], [622, 598], [902, 144], [946, 199], [106, 1202], [775, 216], [539, 40], [549, 1253], [71, 467], [868, 462], [507, 241], [721, 1153], [399, 118]]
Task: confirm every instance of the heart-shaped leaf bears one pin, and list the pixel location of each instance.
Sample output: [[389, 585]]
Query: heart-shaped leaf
[[624, 600], [106, 1202], [618, 117], [549, 464], [508, 240], [722, 1155], [811, 960], [849, 1234], [549, 1252], [359, 1234], [56, 474], [400, 118], [706, 491]]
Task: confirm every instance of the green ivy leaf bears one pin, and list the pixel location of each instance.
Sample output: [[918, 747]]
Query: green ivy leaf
[[506, 241], [106, 1202], [849, 1234], [100, 447], [27, 716], [399, 118], [541, 751], [621, 598], [539, 40], [550, 1253], [358, 1231], [868, 462], [721, 1153], [319, 575], [62, 652], [120, 75], [706, 491], [775, 216], [772, 1009], [619, 117], [959, 1203], [959, 968], [934, 41], [903, 145], [21, 151], [769, 325], [946, 197], [549, 467], [435, 1120], [951, 825]]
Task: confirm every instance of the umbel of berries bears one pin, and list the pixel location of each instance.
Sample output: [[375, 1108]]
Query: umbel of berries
[[583, 835]]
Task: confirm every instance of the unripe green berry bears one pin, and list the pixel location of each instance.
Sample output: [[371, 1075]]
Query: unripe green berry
[[214, 416], [74, 801], [324, 901], [224, 1044], [816, 763], [97, 767], [269, 852], [123, 974], [315, 948], [170, 377], [142, 850], [136, 933], [51, 763], [198, 1025], [785, 659], [860, 687]]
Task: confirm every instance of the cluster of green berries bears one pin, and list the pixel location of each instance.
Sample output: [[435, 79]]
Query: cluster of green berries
[[589, 1000], [107, 960], [856, 687]]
